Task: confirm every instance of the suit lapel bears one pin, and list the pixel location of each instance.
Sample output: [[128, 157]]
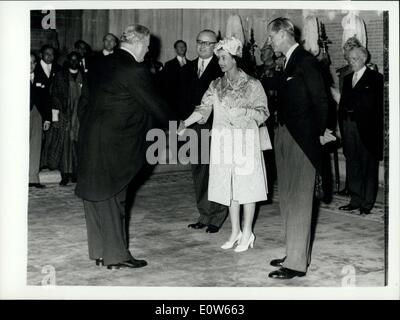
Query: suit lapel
[[363, 79], [209, 67]]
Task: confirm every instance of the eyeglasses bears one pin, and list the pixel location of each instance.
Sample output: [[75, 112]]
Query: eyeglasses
[[204, 43]]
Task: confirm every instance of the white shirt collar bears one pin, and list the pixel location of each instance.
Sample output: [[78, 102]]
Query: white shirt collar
[[360, 72], [180, 59], [73, 71], [106, 52], [289, 52], [206, 62], [130, 52]]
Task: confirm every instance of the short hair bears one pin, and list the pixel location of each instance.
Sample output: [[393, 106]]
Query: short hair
[[362, 50], [351, 43], [72, 53], [208, 31], [179, 41], [134, 33], [45, 47], [113, 35], [78, 42], [282, 24]]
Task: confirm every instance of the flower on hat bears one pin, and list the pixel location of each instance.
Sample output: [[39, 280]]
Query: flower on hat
[[231, 45]]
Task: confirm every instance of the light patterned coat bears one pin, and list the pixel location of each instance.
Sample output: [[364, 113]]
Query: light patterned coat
[[237, 168]]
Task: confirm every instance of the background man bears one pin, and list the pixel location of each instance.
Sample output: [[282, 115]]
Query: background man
[[170, 77], [39, 119], [112, 146], [361, 117]]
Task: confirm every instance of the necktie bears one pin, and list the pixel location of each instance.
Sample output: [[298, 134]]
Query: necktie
[[355, 79], [182, 62], [201, 69]]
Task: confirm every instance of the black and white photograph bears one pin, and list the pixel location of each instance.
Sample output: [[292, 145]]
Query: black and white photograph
[[200, 150]]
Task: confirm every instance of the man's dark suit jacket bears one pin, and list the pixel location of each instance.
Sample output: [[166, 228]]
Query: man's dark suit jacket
[[41, 89], [112, 144], [304, 103], [194, 87], [366, 101]]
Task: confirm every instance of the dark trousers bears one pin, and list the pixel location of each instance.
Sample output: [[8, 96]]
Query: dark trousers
[[210, 212], [296, 179], [362, 166], [105, 223], [35, 144]]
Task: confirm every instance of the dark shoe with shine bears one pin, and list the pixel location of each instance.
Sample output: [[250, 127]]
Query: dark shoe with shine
[[285, 273], [37, 185], [344, 192], [348, 207], [365, 211], [212, 229], [100, 262], [132, 263], [277, 262], [197, 225]]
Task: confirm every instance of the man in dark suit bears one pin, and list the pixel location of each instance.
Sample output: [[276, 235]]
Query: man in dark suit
[[112, 146], [302, 117], [44, 74], [170, 76], [196, 78], [85, 53], [39, 120], [361, 117]]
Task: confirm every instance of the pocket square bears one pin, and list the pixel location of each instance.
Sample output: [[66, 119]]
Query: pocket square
[[38, 84], [289, 78]]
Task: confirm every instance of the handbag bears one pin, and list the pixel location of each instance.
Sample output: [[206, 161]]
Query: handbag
[[265, 141]]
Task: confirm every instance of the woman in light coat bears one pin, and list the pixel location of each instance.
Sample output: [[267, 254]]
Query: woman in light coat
[[237, 169]]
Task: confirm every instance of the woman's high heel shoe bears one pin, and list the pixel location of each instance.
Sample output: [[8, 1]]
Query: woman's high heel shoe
[[230, 244], [245, 246]]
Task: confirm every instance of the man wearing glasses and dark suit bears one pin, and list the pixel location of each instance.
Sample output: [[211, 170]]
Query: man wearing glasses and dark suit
[[196, 78]]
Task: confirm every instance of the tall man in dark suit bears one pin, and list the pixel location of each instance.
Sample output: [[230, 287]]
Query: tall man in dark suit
[[112, 146], [361, 117], [196, 79], [302, 117], [171, 74]]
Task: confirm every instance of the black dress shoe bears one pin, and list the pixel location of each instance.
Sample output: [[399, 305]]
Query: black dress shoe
[[365, 211], [64, 182], [285, 273], [37, 185], [100, 262], [348, 207], [197, 225], [344, 192], [277, 262], [212, 229], [132, 263]]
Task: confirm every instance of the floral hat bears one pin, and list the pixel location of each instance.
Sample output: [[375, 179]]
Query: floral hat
[[231, 45]]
